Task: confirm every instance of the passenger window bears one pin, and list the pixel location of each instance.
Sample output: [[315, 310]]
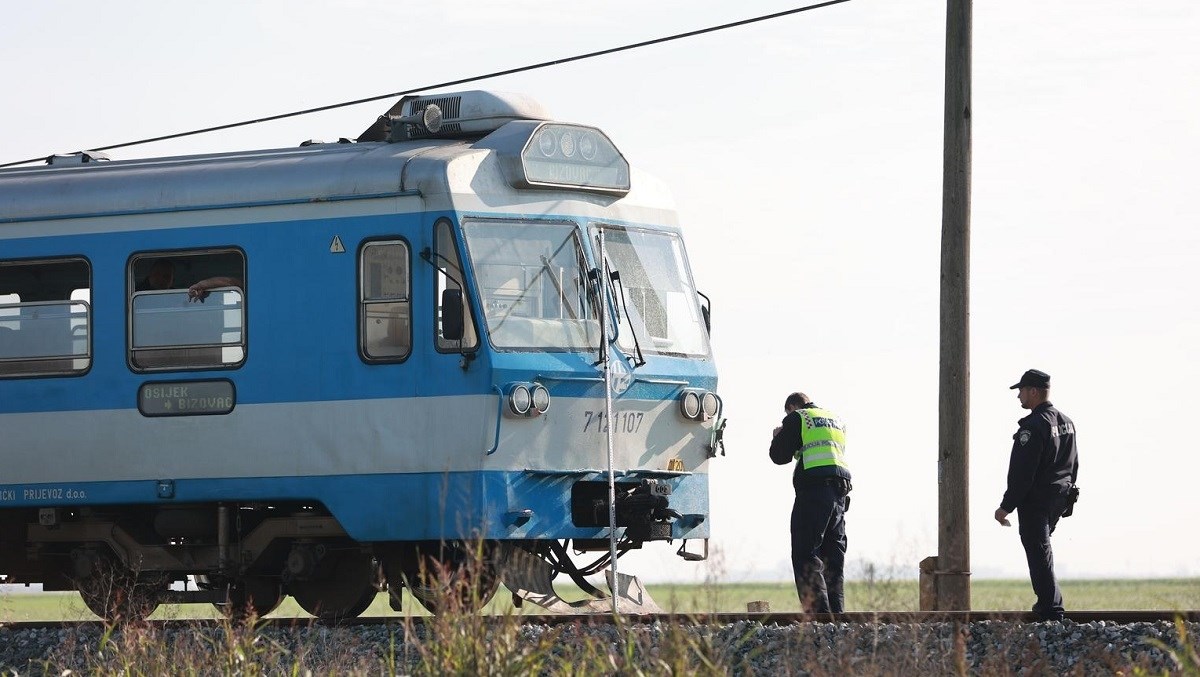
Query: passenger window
[[45, 317], [455, 328], [187, 310], [385, 322]]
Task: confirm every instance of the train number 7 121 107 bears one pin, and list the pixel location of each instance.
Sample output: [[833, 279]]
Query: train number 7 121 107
[[627, 421]]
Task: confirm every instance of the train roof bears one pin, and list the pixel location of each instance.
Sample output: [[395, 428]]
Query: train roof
[[315, 173], [469, 148]]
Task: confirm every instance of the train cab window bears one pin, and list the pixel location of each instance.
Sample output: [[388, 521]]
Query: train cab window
[[533, 285], [455, 327], [662, 314], [45, 317], [385, 322], [187, 310]]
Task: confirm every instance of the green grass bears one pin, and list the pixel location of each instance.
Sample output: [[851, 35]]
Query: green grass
[[989, 595], [1012, 595]]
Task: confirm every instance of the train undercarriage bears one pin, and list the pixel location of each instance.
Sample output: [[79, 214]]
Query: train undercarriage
[[245, 559]]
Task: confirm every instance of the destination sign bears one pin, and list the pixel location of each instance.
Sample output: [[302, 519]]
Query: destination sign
[[186, 398]]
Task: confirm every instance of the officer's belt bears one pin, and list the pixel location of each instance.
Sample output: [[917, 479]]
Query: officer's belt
[[839, 483]]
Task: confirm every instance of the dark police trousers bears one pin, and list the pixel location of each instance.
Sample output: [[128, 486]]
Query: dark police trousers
[[1035, 522], [819, 546]]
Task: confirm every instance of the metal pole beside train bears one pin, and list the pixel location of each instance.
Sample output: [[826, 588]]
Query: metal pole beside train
[[953, 568], [608, 436]]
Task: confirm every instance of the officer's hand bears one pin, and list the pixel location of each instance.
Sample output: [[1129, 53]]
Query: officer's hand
[[1002, 517], [775, 433]]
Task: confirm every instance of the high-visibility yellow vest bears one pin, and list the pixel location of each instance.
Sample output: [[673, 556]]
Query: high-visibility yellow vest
[[824, 439]]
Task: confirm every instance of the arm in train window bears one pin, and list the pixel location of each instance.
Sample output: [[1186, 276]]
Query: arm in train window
[[200, 290]]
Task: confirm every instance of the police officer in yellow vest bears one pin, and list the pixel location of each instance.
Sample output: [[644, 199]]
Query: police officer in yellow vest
[[816, 439]]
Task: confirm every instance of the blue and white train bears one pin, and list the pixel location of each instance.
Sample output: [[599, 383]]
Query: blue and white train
[[468, 342]]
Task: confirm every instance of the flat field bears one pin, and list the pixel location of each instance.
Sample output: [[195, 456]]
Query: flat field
[[1012, 595]]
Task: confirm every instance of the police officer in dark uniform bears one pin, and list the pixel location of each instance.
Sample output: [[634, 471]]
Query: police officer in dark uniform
[[1041, 480], [816, 439]]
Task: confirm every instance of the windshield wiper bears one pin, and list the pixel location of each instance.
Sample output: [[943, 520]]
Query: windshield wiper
[[615, 276]]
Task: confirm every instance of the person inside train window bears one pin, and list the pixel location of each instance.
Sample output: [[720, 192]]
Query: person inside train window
[[162, 276]]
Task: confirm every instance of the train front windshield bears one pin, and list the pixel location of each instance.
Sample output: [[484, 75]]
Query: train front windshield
[[660, 310], [533, 285]]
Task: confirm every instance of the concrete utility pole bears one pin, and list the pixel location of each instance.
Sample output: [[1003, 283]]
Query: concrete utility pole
[[953, 567]]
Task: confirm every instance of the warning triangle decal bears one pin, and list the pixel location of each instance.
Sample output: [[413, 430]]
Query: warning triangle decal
[[336, 247]]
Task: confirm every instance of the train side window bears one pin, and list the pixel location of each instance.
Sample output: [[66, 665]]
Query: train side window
[[457, 333], [187, 309], [45, 317], [384, 307]]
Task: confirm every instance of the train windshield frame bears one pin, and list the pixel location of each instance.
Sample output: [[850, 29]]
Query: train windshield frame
[[657, 299], [533, 285]]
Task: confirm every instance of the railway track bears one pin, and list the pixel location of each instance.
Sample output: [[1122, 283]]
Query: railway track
[[1120, 617]]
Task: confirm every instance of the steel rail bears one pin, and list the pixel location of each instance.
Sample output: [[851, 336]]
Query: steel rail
[[1117, 616]]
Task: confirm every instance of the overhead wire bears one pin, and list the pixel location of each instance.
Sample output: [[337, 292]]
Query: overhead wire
[[460, 81]]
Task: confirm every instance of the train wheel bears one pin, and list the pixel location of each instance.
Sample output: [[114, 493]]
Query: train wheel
[[454, 577], [116, 594], [342, 595], [254, 596], [259, 595]]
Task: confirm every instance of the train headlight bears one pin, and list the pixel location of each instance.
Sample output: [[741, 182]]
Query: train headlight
[[546, 143], [699, 405], [526, 400], [689, 404], [520, 399], [566, 143], [588, 145], [540, 397]]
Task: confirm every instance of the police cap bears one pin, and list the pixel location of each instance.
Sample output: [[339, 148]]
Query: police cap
[[1034, 378]]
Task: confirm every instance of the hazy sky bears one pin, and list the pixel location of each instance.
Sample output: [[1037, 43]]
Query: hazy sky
[[805, 155]]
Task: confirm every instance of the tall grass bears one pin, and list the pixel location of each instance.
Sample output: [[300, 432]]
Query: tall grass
[[875, 592], [454, 643], [459, 641], [498, 642], [462, 643]]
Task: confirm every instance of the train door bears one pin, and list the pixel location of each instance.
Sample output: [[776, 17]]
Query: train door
[[463, 413]]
